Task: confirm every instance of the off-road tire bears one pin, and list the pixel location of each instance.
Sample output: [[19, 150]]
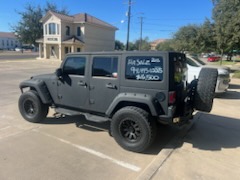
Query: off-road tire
[[205, 91], [31, 107], [133, 128]]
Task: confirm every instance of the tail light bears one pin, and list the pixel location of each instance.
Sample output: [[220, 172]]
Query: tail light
[[171, 97]]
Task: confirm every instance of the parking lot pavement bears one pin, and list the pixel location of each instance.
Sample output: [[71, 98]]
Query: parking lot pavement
[[61, 147], [211, 149]]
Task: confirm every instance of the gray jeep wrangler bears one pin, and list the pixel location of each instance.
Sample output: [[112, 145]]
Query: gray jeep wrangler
[[133, 90]]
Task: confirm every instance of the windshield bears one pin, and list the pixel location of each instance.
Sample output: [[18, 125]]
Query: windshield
[[195, 62], [192, 63]]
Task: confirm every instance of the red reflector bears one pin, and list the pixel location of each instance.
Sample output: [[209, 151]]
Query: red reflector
[[171, 97]]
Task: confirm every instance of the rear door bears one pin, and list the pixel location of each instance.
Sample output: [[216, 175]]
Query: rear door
[[104, 81]]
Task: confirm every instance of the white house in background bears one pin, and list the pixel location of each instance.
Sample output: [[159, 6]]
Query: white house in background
[[81, 32], [8, 41]]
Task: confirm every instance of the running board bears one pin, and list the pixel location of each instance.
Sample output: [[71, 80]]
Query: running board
[[89, 117]]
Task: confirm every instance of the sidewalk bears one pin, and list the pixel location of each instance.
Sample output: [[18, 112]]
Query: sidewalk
[[211, 149]]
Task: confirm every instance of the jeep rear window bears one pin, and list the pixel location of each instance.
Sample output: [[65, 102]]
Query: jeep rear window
[[144, 68]]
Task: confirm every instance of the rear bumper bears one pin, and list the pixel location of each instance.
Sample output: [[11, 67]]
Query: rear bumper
[[170, 118]]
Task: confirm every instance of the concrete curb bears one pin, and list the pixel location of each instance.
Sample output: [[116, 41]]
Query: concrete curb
[[163, 155]]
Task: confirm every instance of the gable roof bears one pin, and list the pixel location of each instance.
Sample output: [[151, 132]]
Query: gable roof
[[78, 18], [7, 35]]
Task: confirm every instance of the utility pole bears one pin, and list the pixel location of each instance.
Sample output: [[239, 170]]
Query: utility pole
[[141, 25], [129, 19]]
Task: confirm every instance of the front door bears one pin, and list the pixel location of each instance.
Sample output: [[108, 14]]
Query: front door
[[104, 82], [73, 86]]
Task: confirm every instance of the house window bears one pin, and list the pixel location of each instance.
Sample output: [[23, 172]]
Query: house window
[[11, 43], [67, 31], [52, 28], [7, 43], [78, 31], [3, 42], [105, 67], [78, 49]]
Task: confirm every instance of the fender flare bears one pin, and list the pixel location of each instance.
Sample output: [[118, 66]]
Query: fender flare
[[40, 87], [134, 98]]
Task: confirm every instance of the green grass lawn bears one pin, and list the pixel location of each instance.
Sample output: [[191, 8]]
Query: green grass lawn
[[236, 74], [224, 62]]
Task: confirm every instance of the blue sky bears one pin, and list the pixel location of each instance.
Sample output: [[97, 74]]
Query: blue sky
[[161, 18]]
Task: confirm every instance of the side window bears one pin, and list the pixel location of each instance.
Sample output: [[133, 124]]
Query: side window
[[67, 31], [78, 31], [144, 68], [75, 66], [105, 66]]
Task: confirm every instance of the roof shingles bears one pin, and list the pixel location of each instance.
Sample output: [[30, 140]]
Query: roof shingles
[[80, 18]]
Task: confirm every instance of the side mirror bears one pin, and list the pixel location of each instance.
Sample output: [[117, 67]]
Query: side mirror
[[59, 72]]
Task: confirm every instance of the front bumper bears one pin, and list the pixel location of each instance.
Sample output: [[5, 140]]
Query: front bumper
[[222, 84]]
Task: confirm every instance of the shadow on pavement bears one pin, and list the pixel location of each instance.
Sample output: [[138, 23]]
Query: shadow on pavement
[[214, 133], [209, 132], [230, 94], [164, 132], [234, 86]]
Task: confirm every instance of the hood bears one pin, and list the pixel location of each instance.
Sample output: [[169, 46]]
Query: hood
[[221, 69], [43, 76]]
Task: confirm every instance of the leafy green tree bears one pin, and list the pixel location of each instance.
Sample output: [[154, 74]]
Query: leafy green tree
[[29, 28], [145, 44], [119, 45], [226, 15], [54, 7], [167, 45], [132, 46], [186, 38], [206, 37]]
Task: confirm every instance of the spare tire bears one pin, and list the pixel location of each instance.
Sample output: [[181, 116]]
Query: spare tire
[[205, 91]]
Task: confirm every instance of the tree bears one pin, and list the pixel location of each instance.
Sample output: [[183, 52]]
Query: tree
[[186, 38], [29, 28], [54, 7], [226, 14], [167, 45], [119, 45], [207, 37], [145, 46]]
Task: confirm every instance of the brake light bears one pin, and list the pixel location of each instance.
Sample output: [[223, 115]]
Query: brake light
[[171, 97]]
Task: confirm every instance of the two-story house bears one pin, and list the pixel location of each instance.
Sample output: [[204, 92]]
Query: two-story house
[[82, 32]]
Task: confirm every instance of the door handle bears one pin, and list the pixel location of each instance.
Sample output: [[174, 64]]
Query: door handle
[[81, 83], [111, 86]]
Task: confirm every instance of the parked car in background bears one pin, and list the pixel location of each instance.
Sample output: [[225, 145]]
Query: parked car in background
[[213, 58], [205, 55], [195, 66]]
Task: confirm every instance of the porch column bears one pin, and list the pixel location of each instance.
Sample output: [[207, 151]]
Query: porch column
[[60, 51], [40, 50], [72, 48], [45, 51]]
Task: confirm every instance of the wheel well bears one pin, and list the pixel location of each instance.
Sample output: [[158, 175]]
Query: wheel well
[[127, 103]]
